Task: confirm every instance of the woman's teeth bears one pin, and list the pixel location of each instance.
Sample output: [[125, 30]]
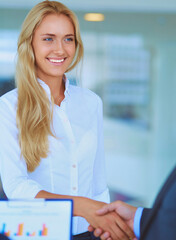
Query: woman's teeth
[[56, 61]]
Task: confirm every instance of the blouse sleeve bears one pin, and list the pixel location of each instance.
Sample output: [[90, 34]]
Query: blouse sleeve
[[14, 176], [100, 190]]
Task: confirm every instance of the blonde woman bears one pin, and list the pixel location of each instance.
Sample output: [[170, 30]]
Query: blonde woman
[[51, 142]]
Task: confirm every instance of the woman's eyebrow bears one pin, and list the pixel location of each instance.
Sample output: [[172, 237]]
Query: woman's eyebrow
[[70, 35], [48, 34], [53, 35]]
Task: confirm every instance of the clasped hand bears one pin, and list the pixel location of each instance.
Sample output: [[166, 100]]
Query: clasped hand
[[108, 224]]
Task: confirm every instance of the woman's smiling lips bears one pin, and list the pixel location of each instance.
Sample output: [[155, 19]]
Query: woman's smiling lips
[[56, 61]]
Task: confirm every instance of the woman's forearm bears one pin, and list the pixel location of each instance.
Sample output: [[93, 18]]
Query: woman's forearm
[[79, 205]]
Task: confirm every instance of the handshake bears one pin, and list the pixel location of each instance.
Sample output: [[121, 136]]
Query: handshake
[[118, 220], [115, 222]]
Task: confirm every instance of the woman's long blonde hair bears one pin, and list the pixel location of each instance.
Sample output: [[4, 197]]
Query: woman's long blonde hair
[[34, 111]]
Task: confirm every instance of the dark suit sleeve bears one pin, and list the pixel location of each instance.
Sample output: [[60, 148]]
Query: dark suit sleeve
[[144, 218], [161, 219]]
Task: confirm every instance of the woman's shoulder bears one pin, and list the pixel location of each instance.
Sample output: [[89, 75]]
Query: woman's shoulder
[[9, 99], [10, 94]]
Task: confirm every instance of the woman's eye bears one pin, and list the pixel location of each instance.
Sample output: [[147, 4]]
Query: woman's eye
[[48, 39], [69, 39]]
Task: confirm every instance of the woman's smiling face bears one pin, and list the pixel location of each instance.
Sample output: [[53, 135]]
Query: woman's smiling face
[[54, 46]]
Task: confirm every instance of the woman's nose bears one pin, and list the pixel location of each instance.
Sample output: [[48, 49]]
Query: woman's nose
[[59, 48]]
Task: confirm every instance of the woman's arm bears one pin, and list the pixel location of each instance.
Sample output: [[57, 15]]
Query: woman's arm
[[86, 208], [79, 202], [100, 190]]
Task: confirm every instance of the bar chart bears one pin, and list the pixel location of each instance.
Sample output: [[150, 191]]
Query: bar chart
[[43, 232]]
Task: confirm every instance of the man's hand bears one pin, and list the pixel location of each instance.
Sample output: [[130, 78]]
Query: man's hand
[[110, 223], [125, 211]]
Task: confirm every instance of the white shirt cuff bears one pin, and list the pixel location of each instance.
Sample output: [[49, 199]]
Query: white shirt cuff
[[137, 219], [26, 190]]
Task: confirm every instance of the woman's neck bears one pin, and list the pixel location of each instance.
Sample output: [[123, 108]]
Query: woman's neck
[[57, 88]]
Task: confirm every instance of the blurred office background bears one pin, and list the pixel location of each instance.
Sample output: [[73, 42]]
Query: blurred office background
[[130, 61]]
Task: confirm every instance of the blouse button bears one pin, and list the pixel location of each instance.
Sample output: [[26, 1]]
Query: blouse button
[[74, 165]]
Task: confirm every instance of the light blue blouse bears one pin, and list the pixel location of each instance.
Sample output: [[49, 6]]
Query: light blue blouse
[[75, 163]]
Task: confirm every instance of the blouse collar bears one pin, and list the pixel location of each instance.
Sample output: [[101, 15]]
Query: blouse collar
[[47, 89]]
